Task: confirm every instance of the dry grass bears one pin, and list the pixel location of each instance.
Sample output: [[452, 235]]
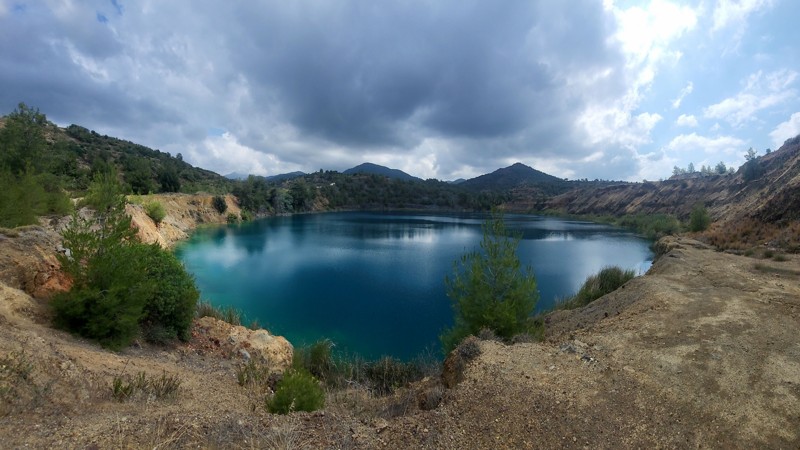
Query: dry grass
[[745, 234]]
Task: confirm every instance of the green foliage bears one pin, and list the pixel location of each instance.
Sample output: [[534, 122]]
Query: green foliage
[[752, 169], [490, 289], [699, 220], [22, 140], [316, 359], [168, 178], [380, 376], [120, 286], [232, 218], [652, 226], [155, 210], [252, 374], [387, 374], [608, 280], [28, 191], [19, 200], [125, 387], [226, 314], [218, 202], [298, 391], [171, 306], [139, 175]]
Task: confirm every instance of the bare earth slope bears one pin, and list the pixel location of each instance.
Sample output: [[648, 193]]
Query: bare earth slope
[[701, 351], [772, 197]]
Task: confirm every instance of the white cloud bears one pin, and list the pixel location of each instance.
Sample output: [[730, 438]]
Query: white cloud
[[686, 121], [646, 36], [735, 12], [786, 130], [684, 92], [227, 155], [760, 92], [616, 126], [695, 143]]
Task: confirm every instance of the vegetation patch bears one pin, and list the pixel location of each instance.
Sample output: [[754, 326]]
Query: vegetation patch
[[125, 387], [490, 289], [608, 280], [776, 270], [218, 202], [297, 391], [227, 314], [121, 287], [155, 210]]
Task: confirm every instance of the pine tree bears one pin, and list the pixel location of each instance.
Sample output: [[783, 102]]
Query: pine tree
[[490, 288]]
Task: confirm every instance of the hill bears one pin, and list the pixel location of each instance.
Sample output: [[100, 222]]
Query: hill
[[511, 177], [757, 204], [375, 169], [285, 176]]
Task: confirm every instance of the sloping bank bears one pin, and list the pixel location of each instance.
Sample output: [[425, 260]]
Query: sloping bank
[[184, 213], [28, 263]]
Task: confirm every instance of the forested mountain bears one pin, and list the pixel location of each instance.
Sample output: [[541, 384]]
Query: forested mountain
[[511, 177], [375, 169]]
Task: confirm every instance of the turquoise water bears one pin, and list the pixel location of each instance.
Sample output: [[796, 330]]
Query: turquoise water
[[374, 282]]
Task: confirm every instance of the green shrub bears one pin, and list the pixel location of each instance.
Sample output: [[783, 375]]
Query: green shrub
[[125, 387], [252, 374], [699, 220], [27, 196], [652, 226], [156, 211], [490, 289], [218, 202], [387, 374], [298, 391], [226, 313], [232, 218], [120, 286], [606, 281], [171, 306], [316, 359]]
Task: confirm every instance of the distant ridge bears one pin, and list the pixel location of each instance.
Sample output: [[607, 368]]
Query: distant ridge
[[381, 170], [509, 177], [285, 176], [236, 176]]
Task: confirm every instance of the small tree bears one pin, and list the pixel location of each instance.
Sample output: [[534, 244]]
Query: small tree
[[752, 169], [699, 220], [120, 285], [490, 289], [218, 202]]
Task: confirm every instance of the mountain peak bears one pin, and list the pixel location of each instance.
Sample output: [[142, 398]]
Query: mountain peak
[[510, 177], [376, 169]]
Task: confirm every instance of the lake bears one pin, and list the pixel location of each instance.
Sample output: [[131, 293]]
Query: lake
[[373, 283]]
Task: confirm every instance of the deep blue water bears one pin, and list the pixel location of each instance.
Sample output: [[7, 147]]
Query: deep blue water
[[374, 282]]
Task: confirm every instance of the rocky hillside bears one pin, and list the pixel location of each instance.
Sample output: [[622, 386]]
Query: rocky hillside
[[772, 197], [184, 213]]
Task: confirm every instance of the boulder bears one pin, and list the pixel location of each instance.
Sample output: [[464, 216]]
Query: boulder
[[236, 341]]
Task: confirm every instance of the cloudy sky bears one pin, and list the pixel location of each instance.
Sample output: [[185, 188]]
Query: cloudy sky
[[439, 88]]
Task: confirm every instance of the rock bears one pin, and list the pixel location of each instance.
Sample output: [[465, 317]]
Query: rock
[[240, 341], [381, 425]]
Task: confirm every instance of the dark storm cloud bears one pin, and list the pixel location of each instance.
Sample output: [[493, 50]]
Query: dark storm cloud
[[355, 73], [321, 84], [43, 70]]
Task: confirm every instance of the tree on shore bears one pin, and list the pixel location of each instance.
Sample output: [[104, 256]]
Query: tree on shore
[[490, 288]]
